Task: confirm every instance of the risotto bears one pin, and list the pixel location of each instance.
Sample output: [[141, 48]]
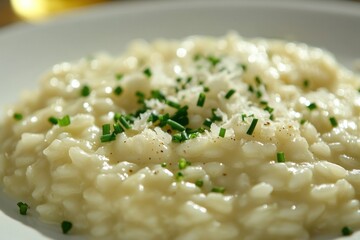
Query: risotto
[[204, 138]]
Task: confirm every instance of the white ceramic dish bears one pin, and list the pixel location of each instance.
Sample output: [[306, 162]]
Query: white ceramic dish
[[28, 50]]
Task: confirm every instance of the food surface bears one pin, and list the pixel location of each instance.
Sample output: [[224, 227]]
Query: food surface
[[204, 138]]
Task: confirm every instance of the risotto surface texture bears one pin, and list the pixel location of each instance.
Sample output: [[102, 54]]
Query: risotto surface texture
[[203, 138]]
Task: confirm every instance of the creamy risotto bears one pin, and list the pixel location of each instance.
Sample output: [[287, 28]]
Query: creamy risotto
[[204, 138]]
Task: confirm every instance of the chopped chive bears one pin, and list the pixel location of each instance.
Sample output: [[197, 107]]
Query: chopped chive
[[18, 116], [183, 163], [23, 207], [140, 96], [243, 116], [197, 130], [181, 115], [346, 231], [193, 135], [197, 57], [118, 90], [250, 88], [206, 89], [258, 80], [153, 117], [244, 67], [117, 128], [263, 102], [259, 94], [164, 164], [157, 94], [302, 121], [271, 117], [213, 60], [108, 137], [173, 104], [222, 132], [306, 83], [65, 121], [218, 189], [147, 72], [311, 106], [119, 76], [184, 136], [333, 121], [163, 119], [117, 117], [207, 122], [179, 176], [358, 90], [269, 109], [280, 156], [124, 122], [201, 100], [53, 120], [66, 226], [199, 183], [230, 93], [85, 91], [177, 138], [106, 129], [215, 117], [175, 125], [252, 126]]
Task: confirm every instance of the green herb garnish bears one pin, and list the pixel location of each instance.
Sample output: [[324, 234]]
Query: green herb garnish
[[258, 80], [311, 106], [23, 207], [218, 189], [108, 137], [346, 231], [201, 100], [118, 128], [147, 72], [306, 83], [280, 156], [66, 226], [173, 104], [119, 76], [175, 125], [213, 60], [252, 126], [229, 93], [53, 120], [207, 122], [183, 163], [244, 67], [65, 121], [333, 121], [222, 132], [106, 129], [118, 90], [124, 122], [179, 176], [85, 91], [199, 183], [18, 116], [269, 109]]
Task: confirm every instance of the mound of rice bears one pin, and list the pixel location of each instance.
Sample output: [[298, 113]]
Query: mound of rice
[[204, 138]]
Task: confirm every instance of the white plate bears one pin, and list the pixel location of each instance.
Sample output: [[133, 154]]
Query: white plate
[[26, 51]]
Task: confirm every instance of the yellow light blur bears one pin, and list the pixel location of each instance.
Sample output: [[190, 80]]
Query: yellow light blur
[[33, 10]]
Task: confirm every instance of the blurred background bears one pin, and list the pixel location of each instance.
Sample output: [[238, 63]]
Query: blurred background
[[35, 10]]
